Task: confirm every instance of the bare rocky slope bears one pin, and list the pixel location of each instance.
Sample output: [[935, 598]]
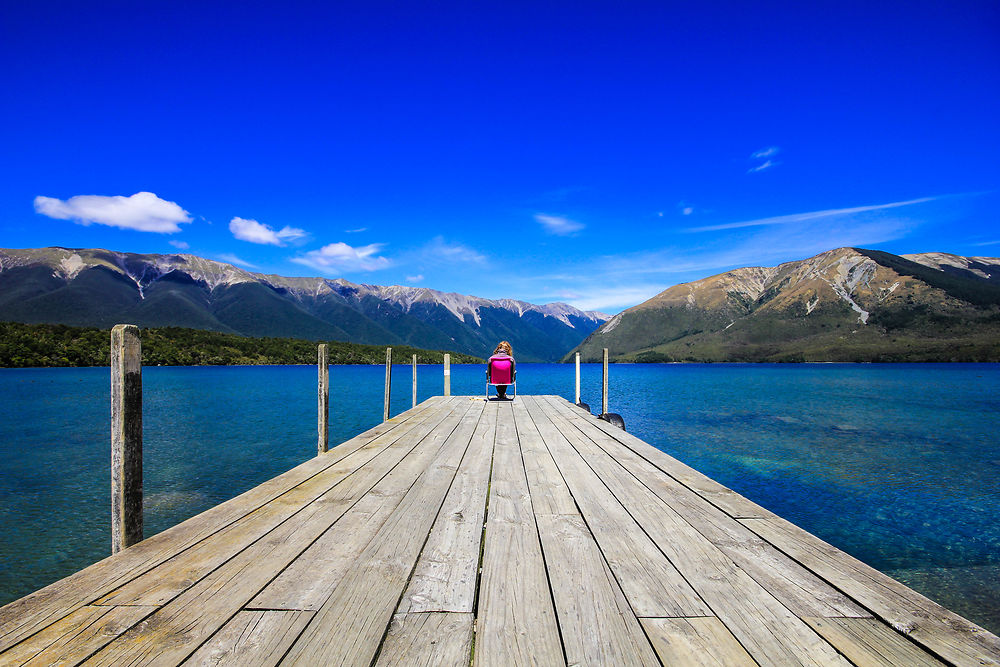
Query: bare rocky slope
[[100, 288], [847, 304]]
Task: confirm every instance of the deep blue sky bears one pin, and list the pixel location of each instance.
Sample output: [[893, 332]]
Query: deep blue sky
[[594, 153]]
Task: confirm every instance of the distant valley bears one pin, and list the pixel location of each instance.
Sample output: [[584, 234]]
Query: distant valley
[[846, 304], [101, 288]]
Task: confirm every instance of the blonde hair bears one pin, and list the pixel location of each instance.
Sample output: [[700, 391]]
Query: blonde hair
[[504, 347]]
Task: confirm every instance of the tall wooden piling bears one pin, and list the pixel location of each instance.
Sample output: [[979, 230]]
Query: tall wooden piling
[[577, 399], [388, 383], [414, 380], [604, 385], [323, 399], [126, 437], [447, 374]]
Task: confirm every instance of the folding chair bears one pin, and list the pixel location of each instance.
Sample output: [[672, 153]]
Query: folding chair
[[500, 370]]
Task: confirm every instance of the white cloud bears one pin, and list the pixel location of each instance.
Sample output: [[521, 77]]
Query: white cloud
[[558, 225], [812, 215], [180, 245], [233, 259], [419, 278], [764, 153], [256, 232], [356, 231], [340, 257], [143, 211]]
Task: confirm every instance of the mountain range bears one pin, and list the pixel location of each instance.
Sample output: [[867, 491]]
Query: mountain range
[[101, 288], [847, 304]]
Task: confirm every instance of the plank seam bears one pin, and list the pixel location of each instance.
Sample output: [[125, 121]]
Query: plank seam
[[540, 411], [537, 534], [437, 514]]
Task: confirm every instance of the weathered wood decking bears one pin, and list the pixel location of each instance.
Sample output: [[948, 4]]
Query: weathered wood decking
[[513, 533]]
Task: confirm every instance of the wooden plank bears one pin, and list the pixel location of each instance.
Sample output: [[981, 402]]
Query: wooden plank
[[258, 638], [797, 588], [360, 608], [446, 573], [517, 622], [25, 616], [308, 582], [184, 623], [428, 640], [595, 628], [652, 585], [871, 643], [766, 628], [937, 629], [164, 582], [548, 490], [73, 638], [701, 641]]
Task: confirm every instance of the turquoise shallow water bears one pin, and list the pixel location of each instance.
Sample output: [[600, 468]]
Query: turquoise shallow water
[[896, 464]]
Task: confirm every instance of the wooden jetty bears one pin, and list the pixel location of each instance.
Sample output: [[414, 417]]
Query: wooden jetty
[[493, 533]]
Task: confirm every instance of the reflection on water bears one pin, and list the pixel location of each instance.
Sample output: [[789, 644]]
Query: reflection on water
[[896, 464]]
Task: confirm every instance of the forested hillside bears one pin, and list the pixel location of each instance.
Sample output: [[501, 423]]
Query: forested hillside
[[26, 345]]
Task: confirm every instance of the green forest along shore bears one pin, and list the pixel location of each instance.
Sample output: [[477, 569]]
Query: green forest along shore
[[49, 345]]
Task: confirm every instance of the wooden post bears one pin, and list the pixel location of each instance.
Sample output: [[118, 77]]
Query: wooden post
[[126, 437], [604, 385], [323, 396], [388, 382], [577, 400], [414, 380], [447, 374]]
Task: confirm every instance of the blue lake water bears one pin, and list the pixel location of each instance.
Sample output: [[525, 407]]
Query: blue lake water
[[896, 464]]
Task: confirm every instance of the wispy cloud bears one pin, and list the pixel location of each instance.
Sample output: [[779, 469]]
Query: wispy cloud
[[796, 218], [419, 278], [441, 251], [143, 211], [257, 232], [764, 154], [612, 282], [180, 245], [233, 259], [356, 231], [614, 299], [986, 243], [558, 225], [342, 258], [761, 167]]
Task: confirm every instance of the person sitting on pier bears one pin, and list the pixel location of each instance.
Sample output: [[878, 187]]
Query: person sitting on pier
[[500, 369]]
